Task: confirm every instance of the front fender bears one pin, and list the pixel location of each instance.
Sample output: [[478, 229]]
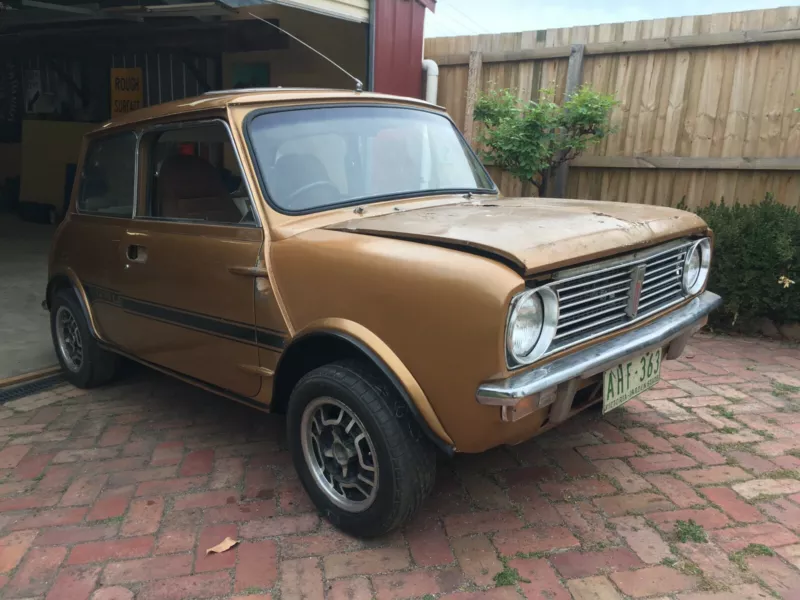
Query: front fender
[[383, 356], [438, 312]]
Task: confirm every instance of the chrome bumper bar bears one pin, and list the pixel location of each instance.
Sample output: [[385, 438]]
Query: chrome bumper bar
[[682, 322]]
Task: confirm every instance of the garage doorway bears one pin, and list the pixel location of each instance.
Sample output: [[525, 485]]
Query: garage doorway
[[58, 69]]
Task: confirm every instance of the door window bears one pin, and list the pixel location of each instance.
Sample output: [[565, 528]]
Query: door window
[[194, 175], [108, 177]]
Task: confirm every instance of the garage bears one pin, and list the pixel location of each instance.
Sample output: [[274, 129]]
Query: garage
[[65, 67]]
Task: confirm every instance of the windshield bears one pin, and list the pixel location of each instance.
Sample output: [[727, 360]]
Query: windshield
[[319, 158]]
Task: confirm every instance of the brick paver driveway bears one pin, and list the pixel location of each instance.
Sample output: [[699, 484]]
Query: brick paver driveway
[[118, 493]]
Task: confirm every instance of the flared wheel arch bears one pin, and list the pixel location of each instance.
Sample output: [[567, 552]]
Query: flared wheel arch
[[316, 348]]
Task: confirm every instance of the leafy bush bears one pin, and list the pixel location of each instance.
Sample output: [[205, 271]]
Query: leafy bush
[[530, 139], [756, 261]]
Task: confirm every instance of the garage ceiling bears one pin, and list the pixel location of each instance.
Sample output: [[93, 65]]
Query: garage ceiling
[[17, 16]]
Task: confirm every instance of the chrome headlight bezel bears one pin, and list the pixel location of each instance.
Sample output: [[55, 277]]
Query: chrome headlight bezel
[[703, 247], [549, 301]]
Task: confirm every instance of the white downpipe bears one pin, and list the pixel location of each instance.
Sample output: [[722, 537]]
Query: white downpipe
[[431, 80]]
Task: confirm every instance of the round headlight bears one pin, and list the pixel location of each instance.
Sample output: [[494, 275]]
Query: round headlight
[[696, 266], [691, 269], [526, 325], [532, 324]]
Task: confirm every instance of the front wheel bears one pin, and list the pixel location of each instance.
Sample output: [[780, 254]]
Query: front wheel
[[357, 450]]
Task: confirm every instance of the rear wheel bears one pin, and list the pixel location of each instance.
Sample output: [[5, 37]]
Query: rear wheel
[[84, 363], [357, 450]]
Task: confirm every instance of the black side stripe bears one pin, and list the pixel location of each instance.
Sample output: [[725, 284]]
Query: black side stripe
[[228, 329], [267, 338]]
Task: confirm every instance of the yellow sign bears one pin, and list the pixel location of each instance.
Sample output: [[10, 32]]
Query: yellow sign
[[126, 90]]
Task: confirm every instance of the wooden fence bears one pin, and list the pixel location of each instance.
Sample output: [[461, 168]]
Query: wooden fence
[[706, 103]]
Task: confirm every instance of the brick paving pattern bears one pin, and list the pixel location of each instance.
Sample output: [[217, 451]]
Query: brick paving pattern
[[117, 493]]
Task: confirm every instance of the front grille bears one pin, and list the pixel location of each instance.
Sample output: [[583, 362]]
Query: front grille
[[596, 301]]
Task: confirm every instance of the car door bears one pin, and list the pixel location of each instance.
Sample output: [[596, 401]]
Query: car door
[[184, 286], [102, 213]]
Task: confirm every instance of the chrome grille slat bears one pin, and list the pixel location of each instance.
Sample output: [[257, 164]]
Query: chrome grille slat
[[657, 289], [624, 276], [571, 305], [653, 280], [621, 284], [666, 294], [594, 314], [668, 267], [593, 303], [663, 259], [585, 327], [568, 315]]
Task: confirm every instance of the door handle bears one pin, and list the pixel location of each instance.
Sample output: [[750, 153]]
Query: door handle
[[249, 271], [137, 253]]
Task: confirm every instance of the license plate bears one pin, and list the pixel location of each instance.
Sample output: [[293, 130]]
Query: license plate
[[630, 379]]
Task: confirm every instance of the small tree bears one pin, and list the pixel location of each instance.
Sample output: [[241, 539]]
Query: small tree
[[531, 139]]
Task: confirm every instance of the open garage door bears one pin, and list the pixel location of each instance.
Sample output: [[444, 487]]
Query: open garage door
[[67, 66]]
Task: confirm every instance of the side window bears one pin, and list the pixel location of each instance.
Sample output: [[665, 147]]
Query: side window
[[107, 180], [193, 175]]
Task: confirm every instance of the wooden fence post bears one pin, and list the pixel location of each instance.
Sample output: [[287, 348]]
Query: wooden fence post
[[574, 76], [473, 87]]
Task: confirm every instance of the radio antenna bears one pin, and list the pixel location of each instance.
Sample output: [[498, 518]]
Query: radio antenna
[[359, 85]]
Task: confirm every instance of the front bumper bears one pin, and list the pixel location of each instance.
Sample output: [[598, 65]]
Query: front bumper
[[674, 328]]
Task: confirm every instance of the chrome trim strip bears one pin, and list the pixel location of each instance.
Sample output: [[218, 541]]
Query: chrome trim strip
[[136, 154], [508, 392]]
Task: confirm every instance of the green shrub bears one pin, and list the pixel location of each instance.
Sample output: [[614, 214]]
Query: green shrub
[[530, 139], [756, 261]]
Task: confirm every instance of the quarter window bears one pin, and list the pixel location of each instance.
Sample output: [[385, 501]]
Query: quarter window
[[107, 180]]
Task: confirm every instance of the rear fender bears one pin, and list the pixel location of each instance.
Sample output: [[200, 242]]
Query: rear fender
[[68, 279]]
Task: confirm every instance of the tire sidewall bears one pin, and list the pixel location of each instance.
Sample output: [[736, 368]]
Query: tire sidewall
[[83, 376], [382, 509]]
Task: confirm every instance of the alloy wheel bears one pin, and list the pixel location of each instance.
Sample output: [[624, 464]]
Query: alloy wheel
[[70, 345], [340, 454]]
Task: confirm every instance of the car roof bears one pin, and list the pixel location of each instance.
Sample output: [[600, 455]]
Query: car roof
[[220, 100]]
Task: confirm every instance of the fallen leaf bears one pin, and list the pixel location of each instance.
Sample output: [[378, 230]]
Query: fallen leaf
[[224, 545]]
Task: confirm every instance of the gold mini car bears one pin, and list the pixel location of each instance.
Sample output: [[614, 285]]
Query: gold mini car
[[343, 258]]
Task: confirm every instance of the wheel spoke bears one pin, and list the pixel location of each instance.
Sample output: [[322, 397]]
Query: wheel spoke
[[315, 424], [361, 460], [335, 421], [354, 485], [369, 482], [317, 449]]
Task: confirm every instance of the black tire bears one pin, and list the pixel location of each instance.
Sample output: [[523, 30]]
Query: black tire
[[98, 366], [406, 459]]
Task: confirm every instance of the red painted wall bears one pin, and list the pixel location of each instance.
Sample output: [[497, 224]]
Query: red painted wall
[[398, 47]]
